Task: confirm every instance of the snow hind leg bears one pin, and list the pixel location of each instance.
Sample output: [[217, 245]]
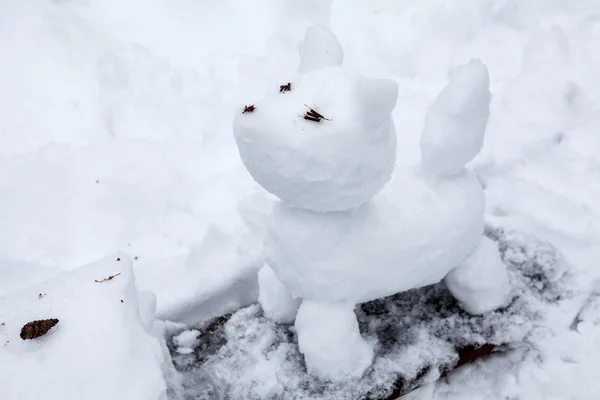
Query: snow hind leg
[[276, 301], [481, 282], [330, 340]]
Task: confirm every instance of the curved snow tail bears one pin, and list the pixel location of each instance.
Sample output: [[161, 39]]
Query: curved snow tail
[[455, 124]]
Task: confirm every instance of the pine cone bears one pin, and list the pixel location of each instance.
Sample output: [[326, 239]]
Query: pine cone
[[35, 329]]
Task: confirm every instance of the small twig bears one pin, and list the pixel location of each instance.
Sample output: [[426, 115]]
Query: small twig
[[315, 114], [311, 118], [108, 279]]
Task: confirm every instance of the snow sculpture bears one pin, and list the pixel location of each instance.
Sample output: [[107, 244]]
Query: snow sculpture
[[339, 237]]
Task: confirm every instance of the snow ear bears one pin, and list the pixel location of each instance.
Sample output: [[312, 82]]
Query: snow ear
[[378, 98], [320, 49]]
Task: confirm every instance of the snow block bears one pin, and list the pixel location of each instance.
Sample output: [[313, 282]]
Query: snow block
[[103, 346]]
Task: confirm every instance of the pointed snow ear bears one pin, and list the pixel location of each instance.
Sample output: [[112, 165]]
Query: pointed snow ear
[[378, 98], [320, 49]]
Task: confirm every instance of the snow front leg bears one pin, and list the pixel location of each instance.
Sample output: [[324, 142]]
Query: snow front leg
[[481, 282], [329, 338], [276, 301]]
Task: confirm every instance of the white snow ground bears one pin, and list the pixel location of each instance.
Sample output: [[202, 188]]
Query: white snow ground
[[115, 134]]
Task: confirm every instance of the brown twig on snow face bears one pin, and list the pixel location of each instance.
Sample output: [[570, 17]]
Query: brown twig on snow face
[[285, 88], [108, 279], [249, 109], [313, 115]]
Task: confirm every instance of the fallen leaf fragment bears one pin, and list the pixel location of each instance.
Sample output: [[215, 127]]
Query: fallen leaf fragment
[[35, 329]]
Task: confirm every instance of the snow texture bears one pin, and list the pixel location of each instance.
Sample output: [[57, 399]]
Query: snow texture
[[16, 275], [332, 165], [455, 124], [257, 358], [105, 345], [186, 341], [217, 276]]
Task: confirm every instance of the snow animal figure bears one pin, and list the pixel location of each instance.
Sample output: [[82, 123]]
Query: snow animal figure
[[340, 236]]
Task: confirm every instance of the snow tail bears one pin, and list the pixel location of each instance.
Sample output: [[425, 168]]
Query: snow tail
[[455, 124]]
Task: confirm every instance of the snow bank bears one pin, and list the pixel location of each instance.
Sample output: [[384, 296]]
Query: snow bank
[[217, 276], [16, 275], [103, 347]]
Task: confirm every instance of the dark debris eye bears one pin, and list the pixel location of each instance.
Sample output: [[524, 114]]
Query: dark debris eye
[[249, 109], [285, 88]]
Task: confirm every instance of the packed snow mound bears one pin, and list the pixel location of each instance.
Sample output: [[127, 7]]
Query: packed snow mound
[[392, 244], [455, 124], [103, 346], [324, 164]]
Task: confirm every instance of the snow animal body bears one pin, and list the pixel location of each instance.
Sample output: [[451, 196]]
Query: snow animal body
[[341, 236]]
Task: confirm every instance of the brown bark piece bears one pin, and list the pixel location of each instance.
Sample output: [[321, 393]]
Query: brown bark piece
[[35, 329]]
